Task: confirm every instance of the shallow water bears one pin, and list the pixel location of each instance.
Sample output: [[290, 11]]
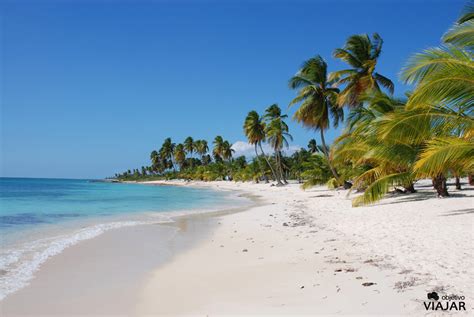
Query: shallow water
[[39, 218]]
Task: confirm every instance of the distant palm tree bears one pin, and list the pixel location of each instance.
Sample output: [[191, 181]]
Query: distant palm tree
[[361, 53], [201, 148], [318, 100], [189, 145], [218, 147], [167, 151], [312, 146], [277, 133], [227, 151], [254, 129], [180, 155], [155, 160]]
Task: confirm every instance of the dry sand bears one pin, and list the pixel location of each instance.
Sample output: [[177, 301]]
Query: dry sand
[[310, 252]]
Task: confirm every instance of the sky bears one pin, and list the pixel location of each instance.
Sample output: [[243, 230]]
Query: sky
[[90, 88]]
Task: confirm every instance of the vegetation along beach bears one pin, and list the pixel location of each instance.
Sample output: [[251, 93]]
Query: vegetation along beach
[[371, 215]]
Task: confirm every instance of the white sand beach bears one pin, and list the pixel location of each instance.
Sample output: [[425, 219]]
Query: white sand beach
[[310, 252], [295, 252]]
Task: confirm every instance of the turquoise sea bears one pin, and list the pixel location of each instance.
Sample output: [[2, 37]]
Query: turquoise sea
[[41, 217]]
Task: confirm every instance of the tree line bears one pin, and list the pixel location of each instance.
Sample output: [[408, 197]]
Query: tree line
[[388, 142]]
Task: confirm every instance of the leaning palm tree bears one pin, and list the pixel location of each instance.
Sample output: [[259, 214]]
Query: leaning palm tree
[[318, 100], [444, 99], [277, 133], [361, 53], [254, 129]]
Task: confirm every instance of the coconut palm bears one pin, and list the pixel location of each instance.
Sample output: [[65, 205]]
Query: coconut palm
[[180, 155], [218, 147], [462, 33], [227, 150], [254, 129], [313, 146], [201, 148], [189, 145], [443, 101], [277, 133], [167, 152], [377, 163], [318, 100], [361, 53]]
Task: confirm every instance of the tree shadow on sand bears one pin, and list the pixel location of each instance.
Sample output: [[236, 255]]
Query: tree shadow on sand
[[458, 212], [419, 196]]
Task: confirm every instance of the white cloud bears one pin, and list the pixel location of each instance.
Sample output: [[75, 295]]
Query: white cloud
[[248, 150]]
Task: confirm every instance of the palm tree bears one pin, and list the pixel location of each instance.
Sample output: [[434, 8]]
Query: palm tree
[[318, 98], [377, 163], [254, 129], [361, 53], [166, 153], [201, 148], [180, 155], [444, 101], [277, 133], [218, 147], [189, 145], [462, 33], [155, 160], [313, 146], [227, 151]]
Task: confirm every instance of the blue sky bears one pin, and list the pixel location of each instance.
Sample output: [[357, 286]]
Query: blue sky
[[90, 88]]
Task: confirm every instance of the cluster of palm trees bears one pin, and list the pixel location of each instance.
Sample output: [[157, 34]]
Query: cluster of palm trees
[[387, 143], [270, 127], [391, 142]]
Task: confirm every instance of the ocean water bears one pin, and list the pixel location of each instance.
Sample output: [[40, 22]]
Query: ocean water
[[39, 218]]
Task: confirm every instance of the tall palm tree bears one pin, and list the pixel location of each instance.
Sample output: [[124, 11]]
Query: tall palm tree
[[167, 152], [277, 133], [254, 129], [318, 100], [180, 155], [218, 147], [361, 53]]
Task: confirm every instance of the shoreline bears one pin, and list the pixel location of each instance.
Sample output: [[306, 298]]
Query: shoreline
[[171, 219], [293, 252]]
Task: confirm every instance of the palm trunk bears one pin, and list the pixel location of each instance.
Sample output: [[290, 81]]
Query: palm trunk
[[278, 168], [268, 162], [458, 183], [326, 153], [470, 178], [259, 165], [439, 183], [283, 173]]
